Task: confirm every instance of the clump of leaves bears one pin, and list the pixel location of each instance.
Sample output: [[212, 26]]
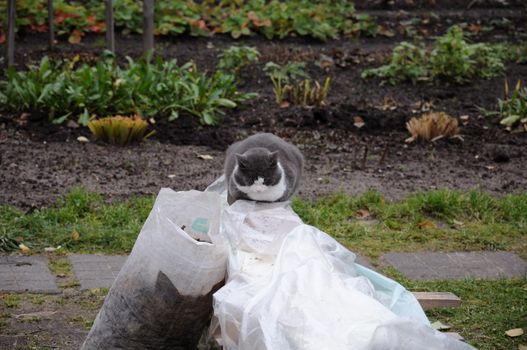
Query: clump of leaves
[[451, 58], [283, 76], [8, 244], [120, 130], [513, 108], [409, 62], [146, 87], [233, 59], [307, 94], [432, 127]]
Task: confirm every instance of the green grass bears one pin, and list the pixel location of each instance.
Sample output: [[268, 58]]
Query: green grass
[[102, 227], [442, 220], [488, 309]]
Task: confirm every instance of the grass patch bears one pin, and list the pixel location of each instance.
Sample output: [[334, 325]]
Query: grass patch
[[488, 309], [79, 222], [442, 220]]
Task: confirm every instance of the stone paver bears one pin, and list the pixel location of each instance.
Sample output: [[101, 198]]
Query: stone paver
[[457, 265], [96, 271], [26, 274]]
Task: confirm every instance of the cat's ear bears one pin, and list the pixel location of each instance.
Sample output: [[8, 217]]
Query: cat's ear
[[273, 158], [241, 160]]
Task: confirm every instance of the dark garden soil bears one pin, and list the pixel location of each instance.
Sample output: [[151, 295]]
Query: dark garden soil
[[40, 161]]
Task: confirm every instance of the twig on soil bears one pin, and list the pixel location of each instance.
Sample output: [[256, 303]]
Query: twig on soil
[[364, 157], [383, 156]]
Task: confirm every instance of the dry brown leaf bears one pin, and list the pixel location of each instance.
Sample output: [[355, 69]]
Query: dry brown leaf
[[44, 314], [205, 156], [522, 347], [24, 248], [75, 235], [425, 224], [358, 122], [515, 332], [385, 31], [284, 104], [363, 214]]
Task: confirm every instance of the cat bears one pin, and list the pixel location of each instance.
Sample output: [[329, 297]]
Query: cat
[[263, 168]]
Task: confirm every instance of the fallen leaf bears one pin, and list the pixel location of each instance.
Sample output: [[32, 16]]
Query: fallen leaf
[[284, 104], [44, 314], [522, 347], [426, 224], [363, 213], [458, 223], [515, 332], [475, 28], [358, 122], [205, 156], [72, 124], [82, 139], [440, 326], [24, 248], [19, 239], [75, 37], [385, 31], [75, 235]]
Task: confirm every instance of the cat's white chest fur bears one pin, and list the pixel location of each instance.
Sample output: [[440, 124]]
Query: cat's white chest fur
[[260, 192]]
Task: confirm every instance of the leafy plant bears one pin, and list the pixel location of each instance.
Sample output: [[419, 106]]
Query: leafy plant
[[283, 76], [409, 62], [236, 57], [145, 87], [512, 109], [307, 93], [432, 127], [275, 19], [451, 58], [120, 130]]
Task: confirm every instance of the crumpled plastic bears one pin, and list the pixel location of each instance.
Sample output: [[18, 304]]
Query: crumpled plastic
[[291, 286]]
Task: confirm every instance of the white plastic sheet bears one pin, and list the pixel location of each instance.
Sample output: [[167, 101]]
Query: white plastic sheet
[[291, 286]]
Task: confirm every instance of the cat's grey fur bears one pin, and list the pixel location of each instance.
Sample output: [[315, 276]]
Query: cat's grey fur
[[263, 167]]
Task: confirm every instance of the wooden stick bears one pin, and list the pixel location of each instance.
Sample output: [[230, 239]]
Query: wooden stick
[[110, 33], [364, 157], [148, 25], [51, 25], [383, 156], [10, 45], [429, 300]]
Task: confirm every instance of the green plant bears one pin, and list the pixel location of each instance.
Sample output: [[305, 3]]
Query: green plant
[[236, 57], [274, 19], [146, 87], [307, 94], [451, 58], [409, 62], [512, 109], [283, 76], [120, 130]]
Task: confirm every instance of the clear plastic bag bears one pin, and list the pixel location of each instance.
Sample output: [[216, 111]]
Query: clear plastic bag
[[291, 286], [162, 297]]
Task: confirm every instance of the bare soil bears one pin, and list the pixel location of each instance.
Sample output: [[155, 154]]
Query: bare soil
[[40, 161]]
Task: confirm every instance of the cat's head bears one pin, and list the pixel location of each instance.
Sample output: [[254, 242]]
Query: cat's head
[[257, 163]]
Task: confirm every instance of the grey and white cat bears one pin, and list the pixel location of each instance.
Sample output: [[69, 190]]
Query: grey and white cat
[[263, 168]]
